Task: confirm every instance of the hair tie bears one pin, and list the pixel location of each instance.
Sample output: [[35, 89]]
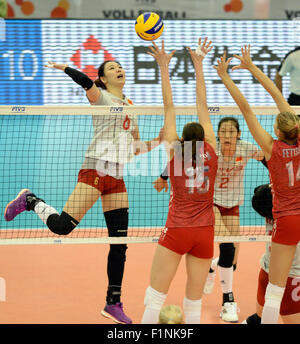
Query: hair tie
[[297, 126]]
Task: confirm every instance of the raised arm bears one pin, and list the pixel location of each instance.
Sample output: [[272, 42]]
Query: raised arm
[[92, 91], [261, 136], [278, 81], [201, 103], [163, 60], [265, 81]]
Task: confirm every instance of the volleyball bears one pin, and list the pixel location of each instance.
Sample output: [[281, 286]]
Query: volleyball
[[149, 26]]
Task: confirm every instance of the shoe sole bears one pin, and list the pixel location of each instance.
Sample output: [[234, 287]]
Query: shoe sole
[[19, 194], [107, 315], [229, 321]]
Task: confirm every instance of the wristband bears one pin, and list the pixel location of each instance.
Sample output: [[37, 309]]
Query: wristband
[[164, 177]]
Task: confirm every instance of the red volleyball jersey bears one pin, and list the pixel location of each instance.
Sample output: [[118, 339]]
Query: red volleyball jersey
[[192, 189], [284, 168]]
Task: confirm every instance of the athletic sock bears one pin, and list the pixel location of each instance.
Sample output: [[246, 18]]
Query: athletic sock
[[192, 311], [153, 301], [273, 297], [44, 210], [226, 278]]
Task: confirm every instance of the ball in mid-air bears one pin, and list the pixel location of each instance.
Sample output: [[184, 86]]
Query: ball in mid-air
[[149, 26]]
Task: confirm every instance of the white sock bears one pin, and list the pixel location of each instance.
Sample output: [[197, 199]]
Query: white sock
[[273, 297], [153, 301], [192, 310], [44, 210], [226, 278]]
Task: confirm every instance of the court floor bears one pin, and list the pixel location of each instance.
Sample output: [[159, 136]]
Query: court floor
[[66, 284]]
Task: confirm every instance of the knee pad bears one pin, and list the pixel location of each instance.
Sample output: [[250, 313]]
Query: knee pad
[[226, 257], [117, 222], [253, 319], [61, 224], [154, 299]]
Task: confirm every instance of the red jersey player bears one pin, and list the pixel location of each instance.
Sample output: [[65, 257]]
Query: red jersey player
[[283, 159], [189, 228]]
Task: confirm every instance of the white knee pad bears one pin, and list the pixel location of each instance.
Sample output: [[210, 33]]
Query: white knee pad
[[154, 299], [274, 295]]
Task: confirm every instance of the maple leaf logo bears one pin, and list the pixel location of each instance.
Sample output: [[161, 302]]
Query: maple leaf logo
[[89, 56]]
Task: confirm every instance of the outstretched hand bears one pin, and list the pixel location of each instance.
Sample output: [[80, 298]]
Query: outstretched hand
[[245, 59], [201, 51], [54, 65], [160, 184], [222, 66], [160, 55]]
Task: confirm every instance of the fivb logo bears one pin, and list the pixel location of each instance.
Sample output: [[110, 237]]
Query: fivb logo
[[18, 108], [116, 109], [2, 289]]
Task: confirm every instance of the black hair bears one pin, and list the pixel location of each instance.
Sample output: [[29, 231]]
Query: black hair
[[98, 81], [229, 119]]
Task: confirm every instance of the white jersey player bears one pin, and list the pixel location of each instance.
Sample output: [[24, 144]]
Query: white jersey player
[[116, 140], [233, 154]]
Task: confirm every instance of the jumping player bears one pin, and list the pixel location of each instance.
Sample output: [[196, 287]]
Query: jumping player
[[283, 160], [101, 175], [233, 156], [189, 229]]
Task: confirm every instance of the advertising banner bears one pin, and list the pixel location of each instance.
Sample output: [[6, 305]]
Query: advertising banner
[[168, 9], [85, 44]]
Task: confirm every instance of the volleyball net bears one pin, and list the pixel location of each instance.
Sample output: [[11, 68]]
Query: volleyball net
[[43, 149]]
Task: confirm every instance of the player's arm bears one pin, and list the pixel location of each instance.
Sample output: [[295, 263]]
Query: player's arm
[[278, 81], [163, 60], [261, 136], [161, 184], [260, 156], [141, 147], [265, 81], [92, 91], [201, 102]]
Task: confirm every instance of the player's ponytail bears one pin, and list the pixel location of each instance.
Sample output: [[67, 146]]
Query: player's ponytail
[[192, 132], [289, 125]]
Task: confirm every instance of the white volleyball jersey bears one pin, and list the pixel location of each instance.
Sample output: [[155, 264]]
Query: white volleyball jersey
[[112, 139], [229, 185], [265, 259]]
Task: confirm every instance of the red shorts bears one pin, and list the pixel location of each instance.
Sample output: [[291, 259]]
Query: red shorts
[[290, 303], [197, 241], [105, 185], [286, 230], [234, 211]]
